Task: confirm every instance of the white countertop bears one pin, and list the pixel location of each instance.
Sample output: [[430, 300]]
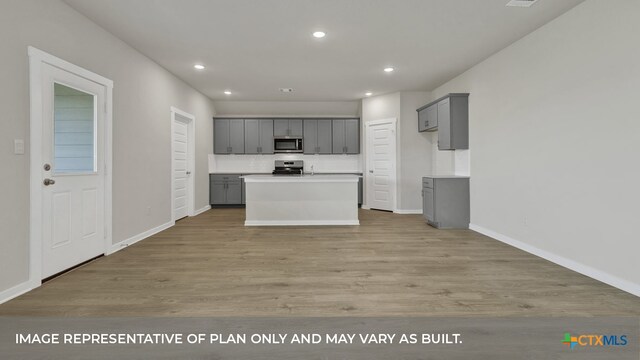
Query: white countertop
[[317, 178], [446, 177]]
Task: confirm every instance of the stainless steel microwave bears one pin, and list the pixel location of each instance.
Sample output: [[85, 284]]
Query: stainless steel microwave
[[287, 144]]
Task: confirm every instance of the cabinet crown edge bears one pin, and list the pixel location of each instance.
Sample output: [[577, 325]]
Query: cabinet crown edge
[[450, 95]]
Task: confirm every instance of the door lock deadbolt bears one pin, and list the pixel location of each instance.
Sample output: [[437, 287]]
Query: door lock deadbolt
[[47, 167]]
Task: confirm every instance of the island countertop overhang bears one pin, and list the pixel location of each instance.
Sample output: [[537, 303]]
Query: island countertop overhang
[[342, 178]]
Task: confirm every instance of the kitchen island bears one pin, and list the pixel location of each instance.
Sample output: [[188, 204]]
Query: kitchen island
[[273, 200]]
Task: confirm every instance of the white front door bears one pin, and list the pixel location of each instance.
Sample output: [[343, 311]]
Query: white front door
[[381, 164], [181, 172], [73, 171]]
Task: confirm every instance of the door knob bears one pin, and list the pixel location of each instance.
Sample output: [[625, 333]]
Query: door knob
[[48, 182], [188, 172], [371, 171]]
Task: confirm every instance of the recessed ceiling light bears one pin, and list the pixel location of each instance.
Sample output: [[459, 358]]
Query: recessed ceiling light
[[227, 92], [319, 34], [198, 66], [368, 93], [388, 69]]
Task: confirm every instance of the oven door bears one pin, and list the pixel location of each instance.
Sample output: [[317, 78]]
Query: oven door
[[287, 145]]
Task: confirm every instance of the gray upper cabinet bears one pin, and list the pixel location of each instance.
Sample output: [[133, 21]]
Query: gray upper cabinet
[[428, 118], [317, 136], [258, 136], [228, 136], [448, 115], [287, 127], [346, 136]]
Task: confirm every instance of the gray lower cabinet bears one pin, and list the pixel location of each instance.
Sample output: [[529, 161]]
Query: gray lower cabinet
[[448, 115], [287, 127], [360, 189], [225, 189], [228, 136], [346, 136], [317, 136], [445, 202], [258, 136]]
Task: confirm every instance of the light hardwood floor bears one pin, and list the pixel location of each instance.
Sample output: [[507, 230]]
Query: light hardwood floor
[[212, 265]]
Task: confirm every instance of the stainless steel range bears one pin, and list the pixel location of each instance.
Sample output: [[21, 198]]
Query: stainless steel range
[[289, 167]]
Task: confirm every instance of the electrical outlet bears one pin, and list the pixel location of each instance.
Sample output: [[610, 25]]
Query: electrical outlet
[[18, 147]]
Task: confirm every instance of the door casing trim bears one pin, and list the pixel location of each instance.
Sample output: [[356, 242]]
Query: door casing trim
[[191, 153], [368, 154], [37, 58]]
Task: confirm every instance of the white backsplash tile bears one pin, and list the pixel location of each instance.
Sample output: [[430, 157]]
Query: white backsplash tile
[[265, 163]]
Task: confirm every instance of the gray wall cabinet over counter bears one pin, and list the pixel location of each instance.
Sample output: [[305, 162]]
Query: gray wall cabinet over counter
[[448, 115], [346, 136], [445, 202], [287, 127], [255, 135], [317, 136], [258, 136], [228, 136]]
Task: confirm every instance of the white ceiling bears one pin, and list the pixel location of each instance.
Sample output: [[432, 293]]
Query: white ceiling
[[255, 47]]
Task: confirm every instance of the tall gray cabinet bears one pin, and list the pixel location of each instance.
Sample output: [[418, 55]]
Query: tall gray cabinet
[[287, 127], [258, 136], [445, 201], [448, 115], [346, 136], [228, 136], [317, 136]]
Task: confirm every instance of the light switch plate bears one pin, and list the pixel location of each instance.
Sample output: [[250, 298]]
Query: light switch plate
[[18, 147]]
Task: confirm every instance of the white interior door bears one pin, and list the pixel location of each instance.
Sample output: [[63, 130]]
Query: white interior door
[[73, 171], [381, 164], [181, 169]]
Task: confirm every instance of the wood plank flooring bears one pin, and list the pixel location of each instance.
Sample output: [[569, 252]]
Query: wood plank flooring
[[211, 265]]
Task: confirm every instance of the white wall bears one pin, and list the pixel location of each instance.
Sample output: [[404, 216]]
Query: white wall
[[555, 141], [143, 94], [287, 108], [414, 150]]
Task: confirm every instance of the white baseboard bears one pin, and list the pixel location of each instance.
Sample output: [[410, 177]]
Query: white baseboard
[[300, 222], [200, 211], [583, 269], [15, 291], [365, 207], [134, 239], [401, 211]]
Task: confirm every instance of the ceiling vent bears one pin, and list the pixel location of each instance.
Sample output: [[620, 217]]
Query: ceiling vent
[[286, 90], [521, 3]]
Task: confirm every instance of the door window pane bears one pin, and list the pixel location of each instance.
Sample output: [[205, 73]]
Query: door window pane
[[74, 131]]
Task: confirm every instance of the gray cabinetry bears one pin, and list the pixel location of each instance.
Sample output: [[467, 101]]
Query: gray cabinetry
[[225, 189], [228, 136], [346, 136], [258, 136], [317, 136], [445, 202], [287, 127], [428, 118], [448, 115]]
